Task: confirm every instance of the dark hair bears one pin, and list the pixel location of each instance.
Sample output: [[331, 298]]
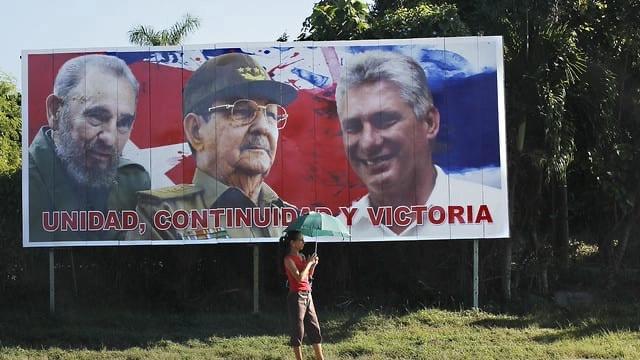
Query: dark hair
[[285, 246]]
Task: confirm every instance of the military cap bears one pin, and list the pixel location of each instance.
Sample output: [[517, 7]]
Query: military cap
[[232, 75]]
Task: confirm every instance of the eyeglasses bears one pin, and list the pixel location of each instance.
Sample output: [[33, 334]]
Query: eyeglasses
[[245, 111]]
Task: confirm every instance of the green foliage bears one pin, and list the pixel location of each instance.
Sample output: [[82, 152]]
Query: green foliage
[[10, 127], [380, 7], [612, 155], [11, 260], [424, 20], [561, 65], [351, 19], [283, 38], [147, 36], [336, 20], [608, 172]]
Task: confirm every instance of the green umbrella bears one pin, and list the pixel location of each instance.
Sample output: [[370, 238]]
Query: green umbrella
[[319, 224]]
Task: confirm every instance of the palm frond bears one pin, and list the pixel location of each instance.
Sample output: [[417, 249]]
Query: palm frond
[[182, 28], [142, 35], [147, 36]]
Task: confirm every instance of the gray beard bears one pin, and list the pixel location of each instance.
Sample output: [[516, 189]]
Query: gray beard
[[73, 156]]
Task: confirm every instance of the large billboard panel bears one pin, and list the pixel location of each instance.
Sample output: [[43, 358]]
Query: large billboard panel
[[228, 143]]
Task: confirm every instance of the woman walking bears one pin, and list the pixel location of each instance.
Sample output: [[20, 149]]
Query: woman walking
[[302, 313]]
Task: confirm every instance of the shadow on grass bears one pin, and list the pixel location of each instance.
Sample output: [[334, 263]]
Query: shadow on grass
[[572, 324], [119, 330], [589, 325]]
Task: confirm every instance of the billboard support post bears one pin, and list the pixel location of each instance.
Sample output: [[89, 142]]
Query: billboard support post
[[73, 274], [475, 274], [256, 279], [52, 287]]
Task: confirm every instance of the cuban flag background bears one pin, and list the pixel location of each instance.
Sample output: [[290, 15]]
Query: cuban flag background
[[311, 168]]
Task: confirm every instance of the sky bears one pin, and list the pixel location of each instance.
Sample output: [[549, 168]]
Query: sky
[[73, 24]]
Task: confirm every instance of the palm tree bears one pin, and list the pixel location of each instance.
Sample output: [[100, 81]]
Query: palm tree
[[148, 36]]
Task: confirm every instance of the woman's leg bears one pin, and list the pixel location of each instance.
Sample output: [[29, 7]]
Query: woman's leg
[[296, 306], [317, 348], [313, 329], [312, 324], [297, 350]]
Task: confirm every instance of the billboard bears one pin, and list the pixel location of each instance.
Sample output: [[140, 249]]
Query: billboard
[[228, 143]]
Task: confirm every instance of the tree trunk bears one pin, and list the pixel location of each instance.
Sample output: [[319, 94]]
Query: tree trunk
[[563, 227], [508, 244], [541, 266], [632, 221], [506, 271], [552, 234]]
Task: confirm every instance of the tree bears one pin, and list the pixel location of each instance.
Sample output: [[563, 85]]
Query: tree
[[10, 126], [608, 101], [10, 188], [572, 78], [147, 36], [352, 19], [336, 20], [283, 38], [422, 20]]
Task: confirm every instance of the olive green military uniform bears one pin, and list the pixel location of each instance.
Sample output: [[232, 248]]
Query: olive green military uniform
[[220, 78], [206, 192], [51, 188]]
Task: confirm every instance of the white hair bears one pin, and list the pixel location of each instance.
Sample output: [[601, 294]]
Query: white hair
[[400, 70], [74, 70]]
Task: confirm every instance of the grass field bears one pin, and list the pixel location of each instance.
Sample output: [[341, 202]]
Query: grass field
[[602, 333]]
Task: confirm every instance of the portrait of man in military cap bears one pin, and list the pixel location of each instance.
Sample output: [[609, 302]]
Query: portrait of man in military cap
[[232, 114]]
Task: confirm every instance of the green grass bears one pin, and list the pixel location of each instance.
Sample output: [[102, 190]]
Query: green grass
[[601, 333]]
